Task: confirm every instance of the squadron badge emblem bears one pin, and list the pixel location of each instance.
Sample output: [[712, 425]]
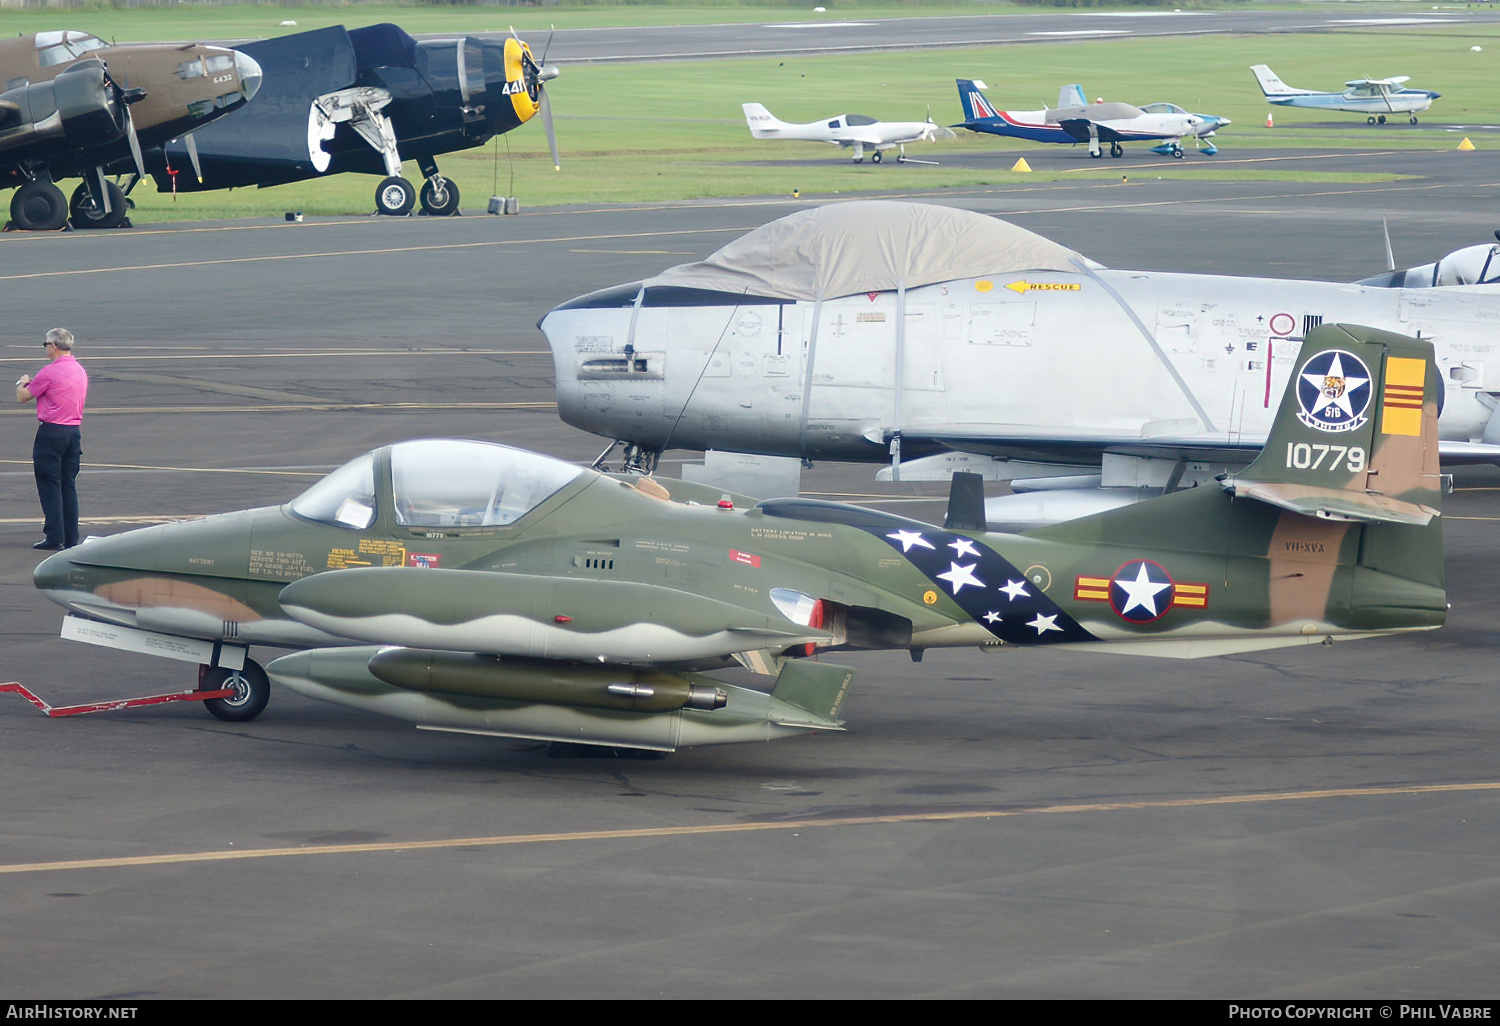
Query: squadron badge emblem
[[1333, 391]]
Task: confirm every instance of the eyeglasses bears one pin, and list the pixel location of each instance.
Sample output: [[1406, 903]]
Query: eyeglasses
[[48, 344]]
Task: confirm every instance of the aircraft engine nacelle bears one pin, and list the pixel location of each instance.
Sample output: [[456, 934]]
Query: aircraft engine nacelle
[[79, 105], [535, 680]]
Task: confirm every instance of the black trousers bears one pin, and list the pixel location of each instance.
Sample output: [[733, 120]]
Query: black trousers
[[55, 456]]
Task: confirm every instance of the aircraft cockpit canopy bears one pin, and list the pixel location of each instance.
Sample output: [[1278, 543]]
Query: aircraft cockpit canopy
[[61, 47], [437, 482], [853, 120], [1162, 108], [1472, 265]]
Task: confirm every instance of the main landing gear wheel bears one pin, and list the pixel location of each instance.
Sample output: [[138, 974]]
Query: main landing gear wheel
[[1096, 154], [1176, 152], [252, 690], [1370, 120], [1414, 119], [877, 158], [395, 197], [39, 206], [439, 199], [1116, 150], [85, 209]]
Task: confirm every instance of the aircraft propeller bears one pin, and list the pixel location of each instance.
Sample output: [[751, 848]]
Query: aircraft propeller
[[538, 74]]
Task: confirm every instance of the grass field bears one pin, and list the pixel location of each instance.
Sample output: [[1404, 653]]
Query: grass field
[[674, 130]]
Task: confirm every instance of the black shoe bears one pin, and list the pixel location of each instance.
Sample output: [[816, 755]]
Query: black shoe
[[47, 545]]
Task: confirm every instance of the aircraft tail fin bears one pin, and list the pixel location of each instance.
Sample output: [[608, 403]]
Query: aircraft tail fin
[[1271, 85], [1071, 96], [763, 124], [976, 107], [1343, 504], [1355, 437]]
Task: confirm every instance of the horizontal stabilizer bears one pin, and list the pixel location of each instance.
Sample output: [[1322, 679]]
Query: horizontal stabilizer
[[1332, 504]]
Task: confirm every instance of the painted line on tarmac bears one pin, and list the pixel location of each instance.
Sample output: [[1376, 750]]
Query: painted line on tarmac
[[280, 471], [314, 407], [320, 354], [999, 812], [385, 251]]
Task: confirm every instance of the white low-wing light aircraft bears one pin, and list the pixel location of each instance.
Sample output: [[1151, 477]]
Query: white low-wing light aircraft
[[847, 130], [1373, 97], [1075, 120], [884, 331]]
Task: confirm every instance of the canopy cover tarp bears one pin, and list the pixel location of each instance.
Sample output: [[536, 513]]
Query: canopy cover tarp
[[869, 246]]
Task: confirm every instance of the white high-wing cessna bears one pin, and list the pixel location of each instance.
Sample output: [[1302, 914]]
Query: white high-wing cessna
[[883, 331], [1373, 97], [847, 130]]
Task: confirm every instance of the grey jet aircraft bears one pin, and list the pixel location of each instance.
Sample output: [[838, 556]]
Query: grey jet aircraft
[[937, 339]]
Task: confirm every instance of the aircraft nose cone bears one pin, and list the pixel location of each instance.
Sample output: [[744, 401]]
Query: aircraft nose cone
[[51, 575], [249, 72]]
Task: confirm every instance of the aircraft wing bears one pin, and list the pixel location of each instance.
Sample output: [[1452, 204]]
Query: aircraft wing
[[1086, 448], [497, 612], [267, 142]]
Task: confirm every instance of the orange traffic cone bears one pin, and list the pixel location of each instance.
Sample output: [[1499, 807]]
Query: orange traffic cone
[[1269, 122]]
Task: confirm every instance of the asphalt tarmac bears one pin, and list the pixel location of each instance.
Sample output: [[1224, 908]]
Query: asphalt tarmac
[[1309, 823]]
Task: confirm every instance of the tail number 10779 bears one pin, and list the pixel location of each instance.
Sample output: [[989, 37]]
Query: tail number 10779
[[1306, 456]]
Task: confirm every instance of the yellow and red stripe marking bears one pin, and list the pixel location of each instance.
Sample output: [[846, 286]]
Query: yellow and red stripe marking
[[1401, 399]]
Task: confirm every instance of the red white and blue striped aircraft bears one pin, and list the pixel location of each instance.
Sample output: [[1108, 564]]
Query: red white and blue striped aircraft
[[1074, 120]]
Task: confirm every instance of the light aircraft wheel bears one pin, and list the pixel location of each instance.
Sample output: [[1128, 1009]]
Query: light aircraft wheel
[[86, 213], [1096, 154], [901, 160], [1177, 153], [395, 197], [252, 691], [39, 206], [1414, 119], [440, 200], [877, 158], [1381, 119], [1116, 150], [1370, 120]]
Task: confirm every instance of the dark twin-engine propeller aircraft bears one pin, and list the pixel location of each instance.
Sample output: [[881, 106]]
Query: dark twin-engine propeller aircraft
[[471, 587], [74, 106], [364, 100]]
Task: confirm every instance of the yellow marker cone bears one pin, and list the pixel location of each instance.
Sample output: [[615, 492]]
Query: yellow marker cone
[[1021, 165], [1269, 122], [1465, 145]]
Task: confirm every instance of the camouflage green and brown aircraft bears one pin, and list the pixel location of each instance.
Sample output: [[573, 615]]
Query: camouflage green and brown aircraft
[[74, 106], [501, 592]]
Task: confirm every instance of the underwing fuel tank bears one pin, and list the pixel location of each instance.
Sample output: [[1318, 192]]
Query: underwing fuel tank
[[539, 680], [808, 697]]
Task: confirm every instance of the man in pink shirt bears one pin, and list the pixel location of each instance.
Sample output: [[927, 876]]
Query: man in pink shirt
[[59, 389]]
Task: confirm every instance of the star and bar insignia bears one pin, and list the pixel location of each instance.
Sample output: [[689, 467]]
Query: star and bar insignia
[[986, 585], [1141, 591]]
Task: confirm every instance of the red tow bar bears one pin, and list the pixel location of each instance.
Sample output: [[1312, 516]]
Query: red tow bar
[[122, 703]]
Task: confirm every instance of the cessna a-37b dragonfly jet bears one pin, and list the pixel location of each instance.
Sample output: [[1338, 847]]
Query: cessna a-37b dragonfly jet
[[1373, 97], [883, 331], [848, 130], [472, 587]]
